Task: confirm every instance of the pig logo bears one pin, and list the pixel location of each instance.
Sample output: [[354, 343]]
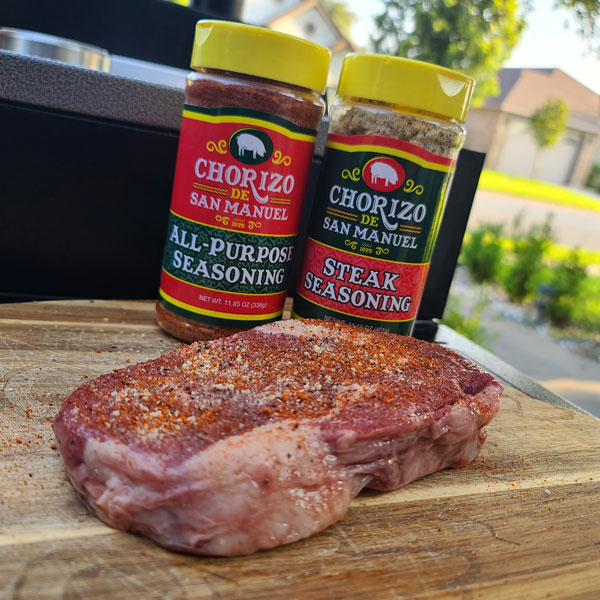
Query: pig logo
[[251, 146], [247, 141], [383, 174], [379, 170]]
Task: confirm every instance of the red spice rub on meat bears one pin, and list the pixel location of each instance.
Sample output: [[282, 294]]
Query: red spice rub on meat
[[368, 409]]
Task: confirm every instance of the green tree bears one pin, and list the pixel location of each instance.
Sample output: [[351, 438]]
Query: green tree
[[587, 18], [341, 15], [547, 125], [473, 36]]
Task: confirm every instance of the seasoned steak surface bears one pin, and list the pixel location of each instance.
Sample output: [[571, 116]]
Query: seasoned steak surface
[[247, 442]]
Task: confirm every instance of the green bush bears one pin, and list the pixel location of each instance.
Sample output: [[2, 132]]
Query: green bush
[[586, 313], [523, 275], [482, 252], [528, 262], [567, 280], [593, 181]]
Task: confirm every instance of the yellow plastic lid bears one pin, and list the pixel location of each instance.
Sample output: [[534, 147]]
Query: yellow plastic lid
[[409, 83], [260, 52]]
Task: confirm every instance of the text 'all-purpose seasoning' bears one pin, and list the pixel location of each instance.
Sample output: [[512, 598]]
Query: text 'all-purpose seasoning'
[[395, 133], [249, 123]]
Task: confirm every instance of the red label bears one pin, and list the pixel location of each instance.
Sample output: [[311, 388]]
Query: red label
[[214, 301], [366, 287], [237, 198], [247, 175]]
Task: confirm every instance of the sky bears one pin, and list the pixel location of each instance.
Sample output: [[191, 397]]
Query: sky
[[545, 42]]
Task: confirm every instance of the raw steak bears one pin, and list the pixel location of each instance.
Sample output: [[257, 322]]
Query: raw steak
[[262, 438]]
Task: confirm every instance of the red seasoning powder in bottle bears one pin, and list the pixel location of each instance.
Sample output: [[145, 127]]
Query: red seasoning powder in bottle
[[394, 136], [249, 124]]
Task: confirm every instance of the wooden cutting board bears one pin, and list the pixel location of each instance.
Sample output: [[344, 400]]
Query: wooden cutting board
[[522, 521]]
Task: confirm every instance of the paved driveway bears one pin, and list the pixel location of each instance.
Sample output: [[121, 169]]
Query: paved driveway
[[532, 350], [553, 365]]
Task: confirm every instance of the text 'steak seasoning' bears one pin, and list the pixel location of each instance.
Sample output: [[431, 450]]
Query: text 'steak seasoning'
[[394, 136], [246, 144]]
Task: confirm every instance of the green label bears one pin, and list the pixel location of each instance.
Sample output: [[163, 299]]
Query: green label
[[377, 212], [227, 260], [354, 210]]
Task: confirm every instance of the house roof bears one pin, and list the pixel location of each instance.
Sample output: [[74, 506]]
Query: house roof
[[523, 91], [341, 40]]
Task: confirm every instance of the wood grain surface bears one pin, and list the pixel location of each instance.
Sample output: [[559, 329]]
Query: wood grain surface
[[522, 521]]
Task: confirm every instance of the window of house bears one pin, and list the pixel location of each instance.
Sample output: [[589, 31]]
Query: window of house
[[309, 28]]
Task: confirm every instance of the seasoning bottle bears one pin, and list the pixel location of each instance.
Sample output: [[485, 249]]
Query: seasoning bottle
[[395, 132], [251, 112]]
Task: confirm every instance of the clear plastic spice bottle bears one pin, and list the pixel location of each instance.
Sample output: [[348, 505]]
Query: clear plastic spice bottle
[[249, 123], [395, 133]]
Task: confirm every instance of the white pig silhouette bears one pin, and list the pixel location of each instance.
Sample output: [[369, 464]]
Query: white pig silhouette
[[379, 170], [247, 141]]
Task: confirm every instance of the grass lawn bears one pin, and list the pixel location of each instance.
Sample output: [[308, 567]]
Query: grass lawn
[[548, 192], [588, 257]]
